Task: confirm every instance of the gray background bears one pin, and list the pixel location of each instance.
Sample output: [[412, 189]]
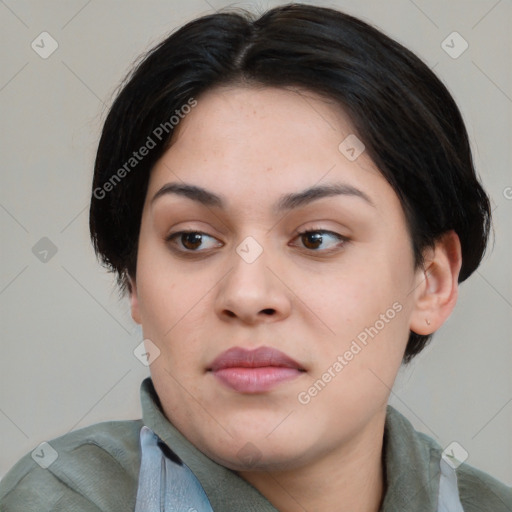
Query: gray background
[[67, 342]]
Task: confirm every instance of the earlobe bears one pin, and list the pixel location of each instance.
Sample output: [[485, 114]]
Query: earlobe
[[134, 302], [437, 291]]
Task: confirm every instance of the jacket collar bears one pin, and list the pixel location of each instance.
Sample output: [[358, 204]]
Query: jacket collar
[[225, 489], [411, 461]]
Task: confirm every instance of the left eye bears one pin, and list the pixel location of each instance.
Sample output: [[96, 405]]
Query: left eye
[[314, 239]]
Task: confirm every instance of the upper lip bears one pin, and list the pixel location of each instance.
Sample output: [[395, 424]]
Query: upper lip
[[237, 357]]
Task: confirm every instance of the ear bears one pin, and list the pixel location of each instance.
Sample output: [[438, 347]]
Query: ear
[[134, 301], [437, 285]]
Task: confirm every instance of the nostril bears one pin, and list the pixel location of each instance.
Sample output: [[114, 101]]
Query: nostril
[[268, 311]]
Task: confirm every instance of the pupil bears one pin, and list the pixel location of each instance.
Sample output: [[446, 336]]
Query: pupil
[[189, 240], [315, 238]]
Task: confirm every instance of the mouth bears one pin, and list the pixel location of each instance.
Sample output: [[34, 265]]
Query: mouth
[[254, 371]]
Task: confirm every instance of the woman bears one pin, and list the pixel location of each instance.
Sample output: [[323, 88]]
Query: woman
[[290, 203]]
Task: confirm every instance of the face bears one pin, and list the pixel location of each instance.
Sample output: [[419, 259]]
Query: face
[[329, 310]]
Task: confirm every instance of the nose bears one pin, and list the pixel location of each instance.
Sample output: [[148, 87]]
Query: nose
[[253, 292]]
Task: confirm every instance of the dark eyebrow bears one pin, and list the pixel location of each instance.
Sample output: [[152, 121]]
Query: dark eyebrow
[[198, 194], [286, 202], [297, 199]]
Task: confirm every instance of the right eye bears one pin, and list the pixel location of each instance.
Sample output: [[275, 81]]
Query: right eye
[[189, 241]]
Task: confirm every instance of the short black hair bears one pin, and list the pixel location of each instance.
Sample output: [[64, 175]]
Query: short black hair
[[409, 123]]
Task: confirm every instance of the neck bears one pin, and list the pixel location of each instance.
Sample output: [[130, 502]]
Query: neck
[[348, 478]]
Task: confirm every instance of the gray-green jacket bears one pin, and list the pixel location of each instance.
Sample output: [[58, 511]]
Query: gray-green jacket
[[97, 469]]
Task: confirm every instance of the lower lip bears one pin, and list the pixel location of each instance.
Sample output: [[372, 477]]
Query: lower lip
[[255, 380]]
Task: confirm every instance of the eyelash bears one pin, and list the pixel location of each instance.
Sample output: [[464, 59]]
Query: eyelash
[[171, 239]]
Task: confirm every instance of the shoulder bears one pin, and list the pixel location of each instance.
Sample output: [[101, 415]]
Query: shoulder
[[480, 492], [77, 472]]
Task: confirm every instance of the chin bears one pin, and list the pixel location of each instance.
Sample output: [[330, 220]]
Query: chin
[[246, 453]]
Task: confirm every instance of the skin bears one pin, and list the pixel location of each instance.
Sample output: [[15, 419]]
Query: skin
[[309, 300]]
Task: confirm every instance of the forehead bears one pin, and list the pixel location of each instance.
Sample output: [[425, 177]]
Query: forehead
[[258, 142], [255, 115]]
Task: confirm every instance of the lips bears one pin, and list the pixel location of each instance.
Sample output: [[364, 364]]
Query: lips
[[254, 371]]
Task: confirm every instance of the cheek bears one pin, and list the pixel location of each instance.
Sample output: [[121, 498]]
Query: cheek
[[175, 305], [363, 357], [164, 295], [367, 306], [364, 289]]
